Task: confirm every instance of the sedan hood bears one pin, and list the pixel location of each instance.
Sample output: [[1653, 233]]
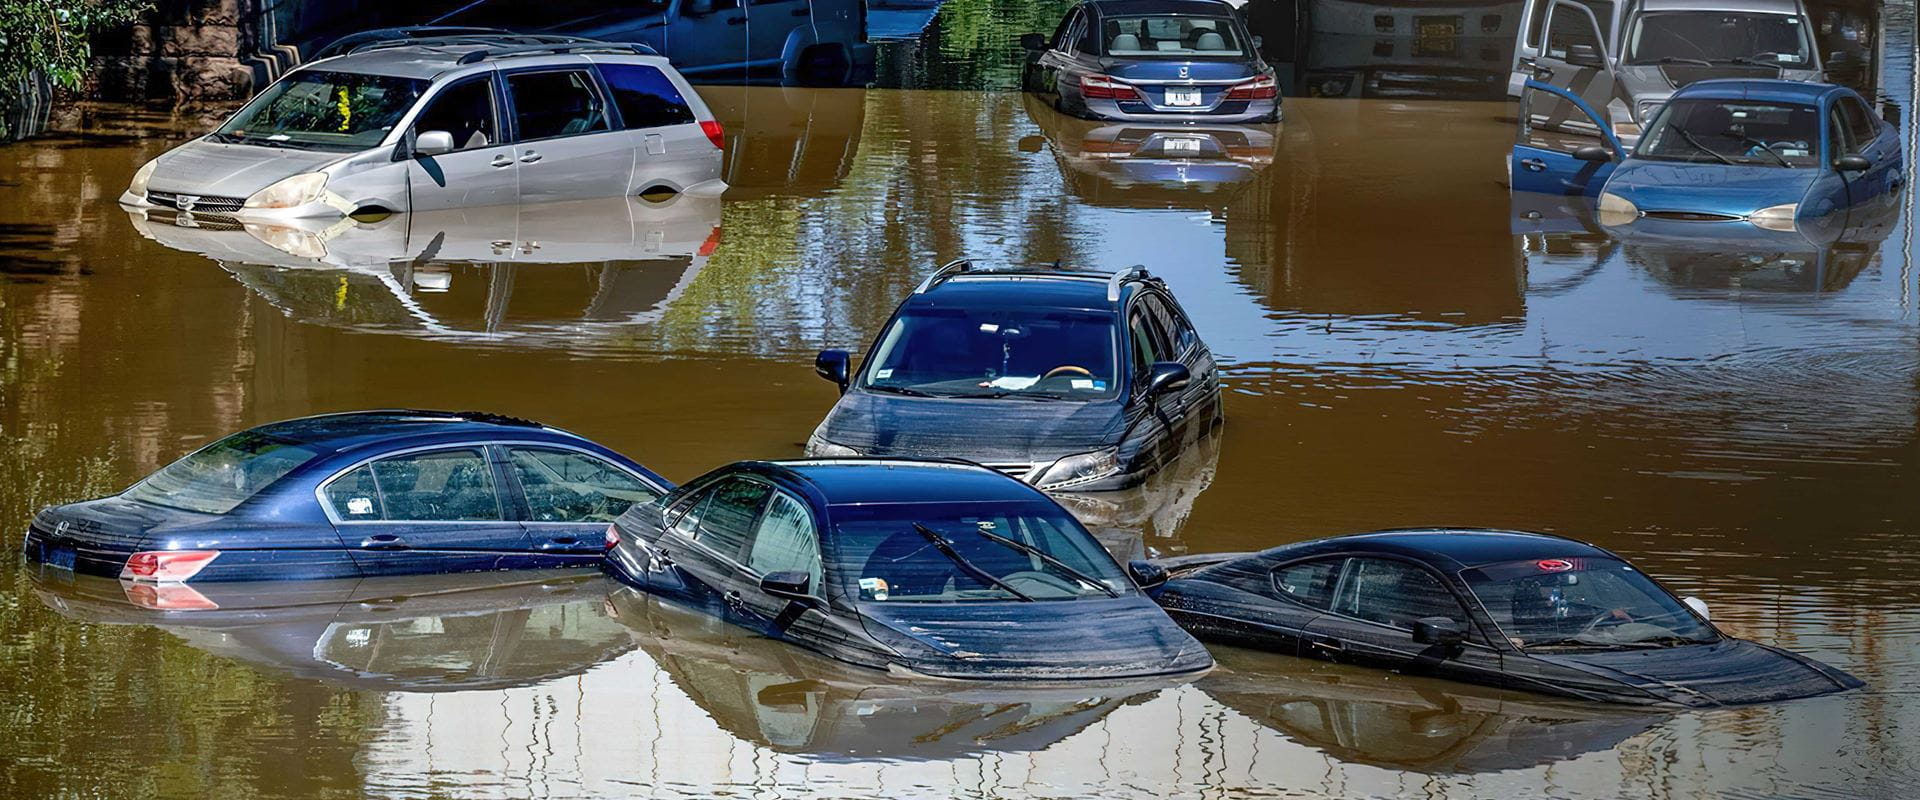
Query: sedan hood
[[1724, 673], [1022, 430], [1708, 188], [208, 168], [1170, 70], [1045, 640]]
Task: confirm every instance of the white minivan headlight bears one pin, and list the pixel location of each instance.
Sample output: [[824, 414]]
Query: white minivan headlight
[[138, 186], [1776, 218], [298, 190], [1080, 468], [1617, 210]]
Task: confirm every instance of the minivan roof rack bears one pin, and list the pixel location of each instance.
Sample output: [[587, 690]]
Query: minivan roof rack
[[558, 48], [945, 271], [1119, 279]]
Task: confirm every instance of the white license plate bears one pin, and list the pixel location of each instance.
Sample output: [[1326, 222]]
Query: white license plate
[[1180, 145], [1183, 97]]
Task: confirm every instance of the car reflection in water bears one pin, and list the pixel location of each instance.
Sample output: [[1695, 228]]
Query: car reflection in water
[[1447, 50], [1411, 723], [1145, 521], [793, 701], [414, 633], [1144, 165]]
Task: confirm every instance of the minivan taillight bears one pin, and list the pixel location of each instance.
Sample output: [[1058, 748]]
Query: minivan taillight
[[613, 536], [1261, 88], [167, 566], [1101, 87], [715, 133]]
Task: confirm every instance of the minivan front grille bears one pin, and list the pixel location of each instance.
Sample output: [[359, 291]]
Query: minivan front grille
[[196, 202]]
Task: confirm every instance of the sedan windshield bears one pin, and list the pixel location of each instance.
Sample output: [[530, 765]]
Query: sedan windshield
[[1734, 132], [1719, 37], [215, 478], [1171, 36], [962, 552], [324, 111], [1030, 353], [1582, 603]]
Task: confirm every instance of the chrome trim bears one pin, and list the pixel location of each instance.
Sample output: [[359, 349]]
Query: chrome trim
[[326, 506]]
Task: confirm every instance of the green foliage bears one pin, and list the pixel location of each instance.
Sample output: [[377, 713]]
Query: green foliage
[[54, 38]]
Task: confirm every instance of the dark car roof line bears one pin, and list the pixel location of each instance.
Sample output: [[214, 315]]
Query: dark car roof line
[[962, 271], [1452, 544]]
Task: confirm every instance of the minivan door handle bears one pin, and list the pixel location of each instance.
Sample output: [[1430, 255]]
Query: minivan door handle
[[383, 541], [529, 157], [502, 160]]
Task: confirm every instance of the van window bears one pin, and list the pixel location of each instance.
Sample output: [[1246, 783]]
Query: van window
[[645, 97], [556, 103], [465, 110]]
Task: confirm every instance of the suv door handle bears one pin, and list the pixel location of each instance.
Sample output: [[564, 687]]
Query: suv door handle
[[530, 157], [502, 160], [383, 541], [1534, 164]]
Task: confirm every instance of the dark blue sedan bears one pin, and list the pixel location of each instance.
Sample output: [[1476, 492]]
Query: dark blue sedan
[[364, 493], [1154, 61]]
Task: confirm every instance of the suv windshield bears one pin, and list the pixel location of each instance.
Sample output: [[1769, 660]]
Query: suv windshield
[[323, 111], [215, 478], [1719, 37], [961, 552], [1170, 36], [1582, 602], [1734, 132], [1034, 353]]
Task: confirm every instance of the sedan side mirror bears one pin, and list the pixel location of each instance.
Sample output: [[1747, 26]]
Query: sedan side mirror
[[1438, 630], [1585, 55], [789, 584], [833, 365], [432, 143], [1167, 376], [1033, 41], [1593, 152], [1146, 574], [1852, 162]]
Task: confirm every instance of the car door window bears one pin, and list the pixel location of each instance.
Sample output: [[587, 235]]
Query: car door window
[[1178, 334], [354, 496], [1062, 35], [1140, 340], [556, 103], [644, 96], [1567, 27], [726, 515], [438, 485], [1394, 593], [465, 110], [1839, 140], [1309, 583], [1861, 127], [785, 540], [570, 486]]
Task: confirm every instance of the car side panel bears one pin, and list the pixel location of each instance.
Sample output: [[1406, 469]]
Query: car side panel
[[1235, 604]]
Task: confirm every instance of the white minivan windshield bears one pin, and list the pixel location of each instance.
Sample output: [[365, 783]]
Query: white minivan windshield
[[322, 110]]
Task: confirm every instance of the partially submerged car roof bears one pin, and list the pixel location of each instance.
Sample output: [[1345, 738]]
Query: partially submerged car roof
[[1778, 91], [1464, 547], [1027, 288], [874, 481], [348, 430]]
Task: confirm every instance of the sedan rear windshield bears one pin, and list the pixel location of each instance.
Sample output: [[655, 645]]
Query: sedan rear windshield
[[215, 478], [947, 553], [1027, 353], [1719, 37], [320, 110], [1734, 132], [1171, 36], [1582, 603]]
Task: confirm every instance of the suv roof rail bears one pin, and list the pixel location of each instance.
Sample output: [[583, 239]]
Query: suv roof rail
[[1119, 279], [558, 48], [945, 271], [468, 38]]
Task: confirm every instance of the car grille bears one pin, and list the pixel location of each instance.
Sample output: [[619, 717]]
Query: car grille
[[1017, 469], [200, 202], [212, 222], [1693, 216]]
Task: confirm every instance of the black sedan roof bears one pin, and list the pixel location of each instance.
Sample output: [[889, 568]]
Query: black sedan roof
[[1463, 547]]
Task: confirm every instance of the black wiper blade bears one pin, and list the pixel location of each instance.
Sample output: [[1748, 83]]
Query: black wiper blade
[[1701, 147], [945, 547], [1770, 151], [875, 387], [1567, 642], [1047, 557], [1676, 60]]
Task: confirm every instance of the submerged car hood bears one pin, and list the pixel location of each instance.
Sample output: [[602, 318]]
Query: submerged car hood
[[206, 167], [1723, 673], [1021, 430], [1737, 190], [1086, 639]]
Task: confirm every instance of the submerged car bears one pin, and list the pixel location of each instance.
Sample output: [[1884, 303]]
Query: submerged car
[[1502, 608], [1154, 61], [353, 494], [928, 568], [448, 122], [1776, 154], [1093, 381]]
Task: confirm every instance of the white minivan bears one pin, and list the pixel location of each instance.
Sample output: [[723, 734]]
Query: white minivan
[[448, 122]]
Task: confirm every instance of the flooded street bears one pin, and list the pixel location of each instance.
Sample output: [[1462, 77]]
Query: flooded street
[[1401, 345]]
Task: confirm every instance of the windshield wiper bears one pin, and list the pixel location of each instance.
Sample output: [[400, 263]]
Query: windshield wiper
[[877, 387], [1770, 151], [1047, 557], [945, 547], [1568, 642], [1701, 147], [1700, 62]]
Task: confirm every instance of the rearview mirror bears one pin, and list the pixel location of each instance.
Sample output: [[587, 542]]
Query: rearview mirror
[[1585, 55], [1593, 152], [789, 584], [1699, 606], [1168, 376], [1438, 630], [1146, 574], [833, 365], [1033, 41], [433, 143], [1852, 162]]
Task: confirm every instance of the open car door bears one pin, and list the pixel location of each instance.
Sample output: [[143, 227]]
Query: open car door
[[1561, 160], [1573, 55]]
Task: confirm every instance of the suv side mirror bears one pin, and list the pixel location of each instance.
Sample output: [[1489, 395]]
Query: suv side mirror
[[1852, 162], [1167, 376], [788, 584], [1033, 41], [432, 143], [1593, 152], [1438, 630], [1146, 574], [1585, 55], [833, 365]]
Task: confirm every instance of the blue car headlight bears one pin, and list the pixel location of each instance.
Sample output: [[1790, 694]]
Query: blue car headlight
[[1617, 210], [1776, 218]]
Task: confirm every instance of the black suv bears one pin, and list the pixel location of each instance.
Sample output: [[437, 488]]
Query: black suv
[[1074, 381]]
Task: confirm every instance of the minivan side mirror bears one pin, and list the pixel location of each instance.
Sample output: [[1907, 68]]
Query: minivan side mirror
[[1146, 574], [1593, 152], [1852, 162], [834, 366], [1585, 55], [1033, 41], [1167, 376], [432, 143], [1438, 630], [789, 584]]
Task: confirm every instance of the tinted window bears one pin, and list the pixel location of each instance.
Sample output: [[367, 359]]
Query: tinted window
[[1178, 334], [1393, 593], [1568, 27], [215, 478], [1147, 342], [973, 352], [1862, 128], [442, 485], [1065, 30], [355, 496], [464, 110], [785, 540], [1309, 583], [1838, 137], [645, 97], [1575, 602], [886, 558], [561, 103], [725, 515], [568, 486]]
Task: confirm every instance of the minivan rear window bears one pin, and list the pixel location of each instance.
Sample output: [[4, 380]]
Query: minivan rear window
[[216, 478], [645, 97]]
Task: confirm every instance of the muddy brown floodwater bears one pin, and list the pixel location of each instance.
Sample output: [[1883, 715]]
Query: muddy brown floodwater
[[1740, 417]]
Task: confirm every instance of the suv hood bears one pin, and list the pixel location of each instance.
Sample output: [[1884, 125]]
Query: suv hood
[[1724, 673], [206, 167], [1022, 430], [1086, 639], [1736, 190]]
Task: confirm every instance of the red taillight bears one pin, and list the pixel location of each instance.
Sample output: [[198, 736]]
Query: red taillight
[[711, 244], [1100, 87], [167, 566], [715, 133], [613, 536], [1262, 88], [168, 597]]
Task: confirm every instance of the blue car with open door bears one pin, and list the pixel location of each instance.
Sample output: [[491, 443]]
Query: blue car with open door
[[346, 495]]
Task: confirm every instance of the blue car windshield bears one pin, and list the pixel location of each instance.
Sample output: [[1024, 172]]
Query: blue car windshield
[[316, 109], [1719, 37], [215, 478], [1172, 36], [1024, 352], [1742, 132], [947, 553], [1582, 603]]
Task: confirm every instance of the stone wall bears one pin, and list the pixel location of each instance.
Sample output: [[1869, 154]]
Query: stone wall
[[184, 52]]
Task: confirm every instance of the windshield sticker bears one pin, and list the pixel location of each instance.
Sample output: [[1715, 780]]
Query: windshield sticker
[[988, 327], [1554, 565], [883, 374], [1081, 383], [873, 588]]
